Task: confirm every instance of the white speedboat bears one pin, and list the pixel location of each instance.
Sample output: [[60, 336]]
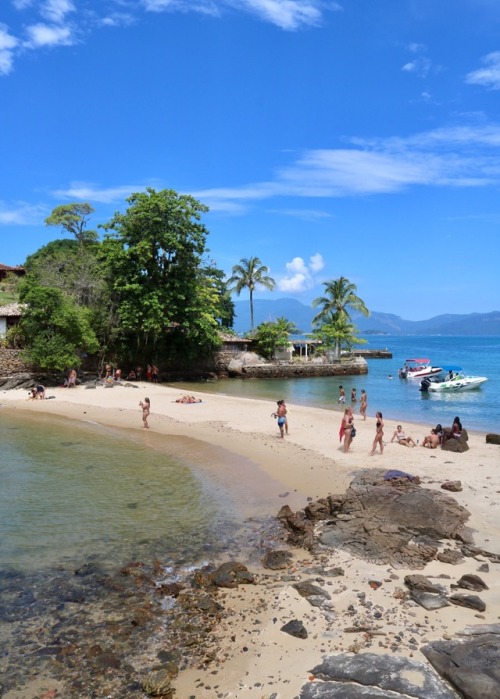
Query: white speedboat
[[420, 368], [453, 382]]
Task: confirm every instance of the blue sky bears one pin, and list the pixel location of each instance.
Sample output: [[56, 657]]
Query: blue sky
[[354, 137]]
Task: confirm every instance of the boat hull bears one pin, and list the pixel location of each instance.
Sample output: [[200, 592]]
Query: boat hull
[[422, 373], [457, 385]]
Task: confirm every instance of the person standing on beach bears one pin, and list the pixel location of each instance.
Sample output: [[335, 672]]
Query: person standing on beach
[[378, 435], [364, 404], [281, 415], [347, 430], [146, 407], [341, 394]]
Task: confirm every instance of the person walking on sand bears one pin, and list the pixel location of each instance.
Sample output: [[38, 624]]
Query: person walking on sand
[[347, 430], [364, 404], [146, 407], [378, 434], [281, 415]]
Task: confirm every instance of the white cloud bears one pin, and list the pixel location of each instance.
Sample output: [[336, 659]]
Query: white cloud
[[207, 7], [22, 214], [7, 45], [45, 35], [489, 76], [300, 276], [420, 66], [56, 10], [89, 192]]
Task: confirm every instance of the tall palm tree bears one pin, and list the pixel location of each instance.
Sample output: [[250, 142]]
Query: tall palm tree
[[249, 274], [340, 297]]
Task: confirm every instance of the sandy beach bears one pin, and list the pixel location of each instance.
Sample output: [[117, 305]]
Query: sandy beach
[[255, 658]]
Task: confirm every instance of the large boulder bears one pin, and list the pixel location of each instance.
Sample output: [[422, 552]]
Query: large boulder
[[236, 366]]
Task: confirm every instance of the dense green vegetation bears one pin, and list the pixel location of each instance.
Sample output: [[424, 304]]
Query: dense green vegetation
[[144, 293]]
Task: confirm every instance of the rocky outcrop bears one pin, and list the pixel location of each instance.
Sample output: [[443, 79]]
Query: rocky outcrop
[[492, 438], [394, 521]]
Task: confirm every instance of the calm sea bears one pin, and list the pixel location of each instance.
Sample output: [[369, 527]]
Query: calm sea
[[395, 398]]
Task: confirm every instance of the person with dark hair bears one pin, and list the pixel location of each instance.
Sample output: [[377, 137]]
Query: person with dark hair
[[379, 434]]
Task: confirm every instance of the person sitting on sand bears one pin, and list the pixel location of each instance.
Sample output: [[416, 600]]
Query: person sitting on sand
[[432, 440], [118, 375], [455, 432], [131, 375], [71, 380], [402, 438], [188, 399]]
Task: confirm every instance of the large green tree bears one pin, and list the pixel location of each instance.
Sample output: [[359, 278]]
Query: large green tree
[[73, 218], [273, 335], [56, 330], [249, 274], [165, 300]]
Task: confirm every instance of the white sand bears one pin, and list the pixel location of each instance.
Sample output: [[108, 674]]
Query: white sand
[[256, 659]]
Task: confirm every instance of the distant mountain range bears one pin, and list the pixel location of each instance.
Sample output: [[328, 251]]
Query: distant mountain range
[[376, 323]]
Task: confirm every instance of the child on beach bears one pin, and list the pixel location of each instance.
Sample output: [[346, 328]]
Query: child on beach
[[146, 407], [281, 415]]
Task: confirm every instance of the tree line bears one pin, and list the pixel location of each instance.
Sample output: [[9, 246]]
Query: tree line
[[148, 290]]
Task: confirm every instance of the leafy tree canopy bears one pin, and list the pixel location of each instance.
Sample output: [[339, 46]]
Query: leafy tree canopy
[[340, 297], [73, 219], [273, 335], [57, 331]]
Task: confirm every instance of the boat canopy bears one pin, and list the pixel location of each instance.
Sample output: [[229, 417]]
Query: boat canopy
[[419, 361], [452, 367]]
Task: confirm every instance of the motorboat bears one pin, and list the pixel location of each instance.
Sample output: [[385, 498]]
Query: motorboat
[[420, 368], [453, 381]]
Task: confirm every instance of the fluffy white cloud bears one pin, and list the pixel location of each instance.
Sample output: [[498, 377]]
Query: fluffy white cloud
[[7, 45], [489, 76], [300, 276], [56, 10], [420, 66], [45, 35]]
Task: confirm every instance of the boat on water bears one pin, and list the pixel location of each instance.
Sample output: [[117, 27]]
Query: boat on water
[[418, 369], [455, 380]]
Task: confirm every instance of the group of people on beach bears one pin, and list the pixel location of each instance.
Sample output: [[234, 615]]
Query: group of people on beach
[[152, 374]]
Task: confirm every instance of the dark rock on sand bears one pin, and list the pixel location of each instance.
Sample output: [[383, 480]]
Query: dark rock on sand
[[428, 600], [472, 582], [492, 438], [158, 683], [395, 522], [277, 560], [473, 666], [295, 628], [470, 601], [452, 486], [421, 583], [370, 676], [314, 594], [450, 556]]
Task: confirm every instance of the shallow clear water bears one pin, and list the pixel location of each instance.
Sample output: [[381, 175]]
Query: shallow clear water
[[395, 398], [75, 490]]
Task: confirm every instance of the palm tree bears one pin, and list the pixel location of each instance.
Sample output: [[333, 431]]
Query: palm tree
[[340, 297], [249, 274]]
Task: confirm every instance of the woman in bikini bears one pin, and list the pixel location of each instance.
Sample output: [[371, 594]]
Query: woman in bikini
[[378, 435], [146, 407], [346, 428], [364, 404], [402, 438]]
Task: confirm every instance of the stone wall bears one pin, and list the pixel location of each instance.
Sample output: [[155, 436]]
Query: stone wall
[[285, 370], [12, 363]]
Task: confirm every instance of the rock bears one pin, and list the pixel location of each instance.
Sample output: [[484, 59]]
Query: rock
[[473, 667], [470, 601], [277, 560], [492, 438], [318, 510], [456, 445], [479, 629], [421, 583], [300, 529], [472, 582], [429, 601], [374, 677], [397, 522], [295, 628], [313, 594], [158, 684], [452, 486], [450, 556]]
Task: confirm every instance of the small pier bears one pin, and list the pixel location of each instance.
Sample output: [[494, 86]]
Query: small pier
[[372, 353]]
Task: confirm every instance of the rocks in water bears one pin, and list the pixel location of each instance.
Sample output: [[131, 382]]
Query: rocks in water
[[277, 560], [470, 601], [473, 666], [452, 486], [374, 677], [230, 574], [396, 522], [295, 628], [472, 582]]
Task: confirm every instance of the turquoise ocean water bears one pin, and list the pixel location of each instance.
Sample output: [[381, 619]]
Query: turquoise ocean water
[[396, 398]]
